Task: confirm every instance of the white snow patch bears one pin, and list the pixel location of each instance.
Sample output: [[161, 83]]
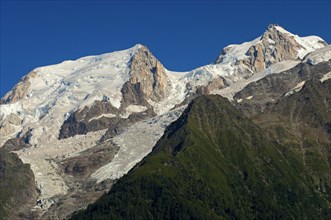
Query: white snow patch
[[7, 109], [249, 97], [237, 52], [309, 44], [279, 28], [319, 55], [326, 77], [102, 115], [133, 109], [296, 88], [270, 41]]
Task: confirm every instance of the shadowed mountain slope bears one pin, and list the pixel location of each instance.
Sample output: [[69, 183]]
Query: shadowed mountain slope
[[213, 163]]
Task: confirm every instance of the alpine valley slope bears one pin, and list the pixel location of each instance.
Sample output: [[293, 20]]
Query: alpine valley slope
[[213, 163], [75, 122]]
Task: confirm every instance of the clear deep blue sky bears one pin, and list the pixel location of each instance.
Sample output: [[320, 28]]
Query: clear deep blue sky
[[181, 34]]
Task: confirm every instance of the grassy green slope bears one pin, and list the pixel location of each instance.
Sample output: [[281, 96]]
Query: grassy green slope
[[302, 123], [212, 163]]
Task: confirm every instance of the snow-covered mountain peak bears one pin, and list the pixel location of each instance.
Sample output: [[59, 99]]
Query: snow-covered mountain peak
[[275, 45], [306, 44], [115, 84], [74, 74], [46, 97], [277, 27], [238, 62]]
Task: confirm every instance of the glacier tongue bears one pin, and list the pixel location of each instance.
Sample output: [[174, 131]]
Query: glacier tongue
[[135, 143], [42, 157]]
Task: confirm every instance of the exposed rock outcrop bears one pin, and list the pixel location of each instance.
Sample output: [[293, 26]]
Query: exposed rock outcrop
[[147, 76], [123, 123], [17, 187], [275, 45], [20, 90], [92, 118], [88, 161], [18, 143], [101, 115], [8, 125], [257, 96]]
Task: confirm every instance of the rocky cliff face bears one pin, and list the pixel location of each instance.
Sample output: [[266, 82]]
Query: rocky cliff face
[[148, 76], [254, 98], [18, 193], [274, 46], [101, 115]]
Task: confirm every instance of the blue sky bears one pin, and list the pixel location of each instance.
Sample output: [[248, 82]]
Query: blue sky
[[183, 35]]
